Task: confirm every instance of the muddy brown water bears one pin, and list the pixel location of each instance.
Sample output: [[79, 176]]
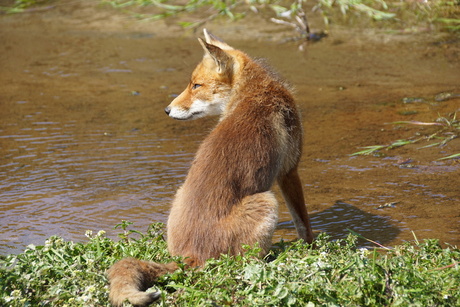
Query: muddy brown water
[[85, 143]]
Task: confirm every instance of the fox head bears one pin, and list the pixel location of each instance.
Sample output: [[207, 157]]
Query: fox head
[[210, 85]]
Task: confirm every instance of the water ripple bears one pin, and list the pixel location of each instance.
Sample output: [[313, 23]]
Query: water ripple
[[64, 183]]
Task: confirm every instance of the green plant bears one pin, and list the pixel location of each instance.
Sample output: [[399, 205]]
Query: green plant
[[64, 273], [377, 9], [369, 150], [287, 12], [448, 129], [452, 24], [167, 9], [20, 6]]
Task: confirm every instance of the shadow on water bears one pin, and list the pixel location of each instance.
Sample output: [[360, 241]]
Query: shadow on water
[[336, 220]]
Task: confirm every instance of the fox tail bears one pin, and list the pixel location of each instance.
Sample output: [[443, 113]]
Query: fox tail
[[129, 278]]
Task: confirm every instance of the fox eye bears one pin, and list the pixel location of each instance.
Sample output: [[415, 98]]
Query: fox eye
[[195, 86]]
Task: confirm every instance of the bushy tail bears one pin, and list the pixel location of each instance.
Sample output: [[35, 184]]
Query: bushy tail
[[129, 278]]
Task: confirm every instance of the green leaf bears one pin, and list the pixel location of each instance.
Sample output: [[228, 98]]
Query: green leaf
[[454, 156]]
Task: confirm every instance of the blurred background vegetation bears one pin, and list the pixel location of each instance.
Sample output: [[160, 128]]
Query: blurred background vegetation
[[394, 15]]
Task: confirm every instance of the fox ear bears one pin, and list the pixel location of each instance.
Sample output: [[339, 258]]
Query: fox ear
[[214, 40], [221, 60]]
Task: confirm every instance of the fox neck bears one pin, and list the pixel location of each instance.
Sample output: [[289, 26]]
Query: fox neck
[[250, 78]]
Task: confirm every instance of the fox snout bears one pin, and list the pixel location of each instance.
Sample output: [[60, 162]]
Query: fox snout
[[179, 113]]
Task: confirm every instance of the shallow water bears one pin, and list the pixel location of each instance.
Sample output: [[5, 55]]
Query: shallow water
[[85, 143]]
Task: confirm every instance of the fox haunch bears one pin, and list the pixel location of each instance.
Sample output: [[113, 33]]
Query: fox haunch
[[226, 201]]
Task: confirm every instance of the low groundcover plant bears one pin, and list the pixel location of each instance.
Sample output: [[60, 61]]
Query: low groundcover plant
[[331, 273]]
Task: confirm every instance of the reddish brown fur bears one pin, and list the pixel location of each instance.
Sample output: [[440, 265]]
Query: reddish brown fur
[[225, 200]]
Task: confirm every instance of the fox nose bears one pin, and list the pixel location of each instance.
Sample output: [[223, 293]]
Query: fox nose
[[167, 110]]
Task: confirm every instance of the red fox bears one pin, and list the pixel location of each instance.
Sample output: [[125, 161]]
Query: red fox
[[226, 201]]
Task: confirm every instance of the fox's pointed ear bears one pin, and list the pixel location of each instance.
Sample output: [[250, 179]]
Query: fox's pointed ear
[[214, 40], [221, 60]]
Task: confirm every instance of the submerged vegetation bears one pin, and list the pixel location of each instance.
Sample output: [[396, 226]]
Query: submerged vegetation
[[444, 129], [64, 273]]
